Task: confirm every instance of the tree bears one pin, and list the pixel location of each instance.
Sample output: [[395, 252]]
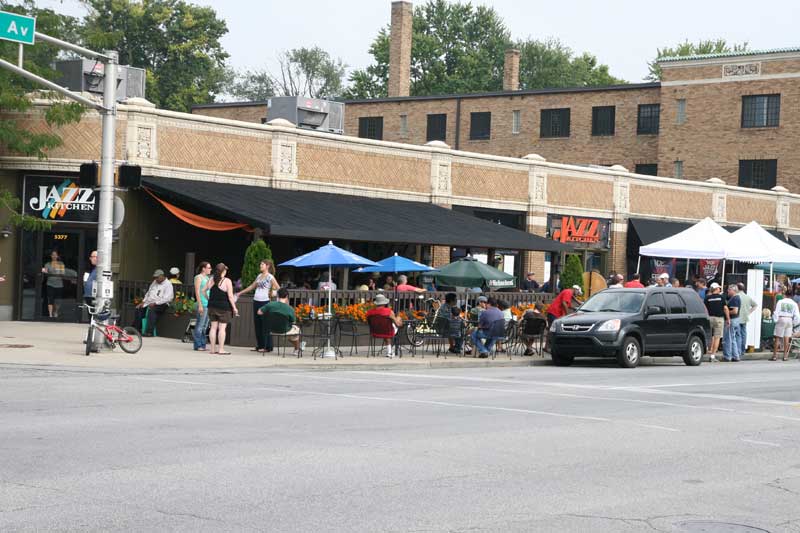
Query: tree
[[460, 48], [250, 85], [710, 46], [551, 64], [309, 72], [15, 97], [573, 272], [257, 251], [456, 48], [176, 42]]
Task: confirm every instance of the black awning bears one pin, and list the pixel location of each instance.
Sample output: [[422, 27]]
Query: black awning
[[319, 215], [794, 240], [650, 231]]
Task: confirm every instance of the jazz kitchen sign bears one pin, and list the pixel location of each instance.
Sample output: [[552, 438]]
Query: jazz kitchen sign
[[59, 200], [582, 232]]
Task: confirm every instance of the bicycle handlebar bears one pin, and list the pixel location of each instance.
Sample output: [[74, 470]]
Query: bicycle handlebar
[[92, 310]]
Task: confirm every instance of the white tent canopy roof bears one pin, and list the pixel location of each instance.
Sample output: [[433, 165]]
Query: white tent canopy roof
[[754, 244], [704, 240]]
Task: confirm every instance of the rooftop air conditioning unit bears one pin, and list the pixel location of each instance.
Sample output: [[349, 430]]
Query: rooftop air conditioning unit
[[308, 113], [88, 75]]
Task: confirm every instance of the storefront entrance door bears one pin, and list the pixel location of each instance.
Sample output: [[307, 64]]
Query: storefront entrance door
[[53, 267]]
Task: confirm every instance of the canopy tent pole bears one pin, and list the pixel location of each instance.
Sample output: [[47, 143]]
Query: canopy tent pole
[[638, 264], [688, 261], [724, 262], [771, 279]]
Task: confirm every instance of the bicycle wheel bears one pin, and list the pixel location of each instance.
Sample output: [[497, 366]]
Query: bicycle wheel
[[129, 339], [89, 339]]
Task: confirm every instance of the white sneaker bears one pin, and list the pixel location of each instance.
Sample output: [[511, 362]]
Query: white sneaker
[[296, 352], [713, 359], [389, 353]]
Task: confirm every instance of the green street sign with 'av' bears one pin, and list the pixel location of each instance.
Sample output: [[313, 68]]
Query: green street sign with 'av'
[[17, 28]]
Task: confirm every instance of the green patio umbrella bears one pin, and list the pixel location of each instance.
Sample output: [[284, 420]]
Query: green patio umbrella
[[469, 272]]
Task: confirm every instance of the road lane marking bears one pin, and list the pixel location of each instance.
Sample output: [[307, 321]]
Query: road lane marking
[[653, 426], [761, 443], [172, 381]]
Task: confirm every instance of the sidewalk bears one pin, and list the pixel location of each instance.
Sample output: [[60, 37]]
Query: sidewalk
[[52, 344]]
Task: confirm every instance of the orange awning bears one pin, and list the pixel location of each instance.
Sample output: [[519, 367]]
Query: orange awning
[[197, 220]]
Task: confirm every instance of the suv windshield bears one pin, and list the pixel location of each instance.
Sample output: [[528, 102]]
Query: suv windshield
[[613, 300]]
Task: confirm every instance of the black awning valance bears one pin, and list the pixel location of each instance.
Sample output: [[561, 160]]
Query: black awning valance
[[319, 215]]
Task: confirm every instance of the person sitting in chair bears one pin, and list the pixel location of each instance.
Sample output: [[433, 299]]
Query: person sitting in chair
[[382, 309], [491, 326], [281, 308]]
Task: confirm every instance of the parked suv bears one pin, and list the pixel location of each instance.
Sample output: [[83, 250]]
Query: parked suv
[[629, 323]]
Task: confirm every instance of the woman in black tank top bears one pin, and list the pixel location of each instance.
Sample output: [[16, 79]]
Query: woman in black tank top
[[221, 304]]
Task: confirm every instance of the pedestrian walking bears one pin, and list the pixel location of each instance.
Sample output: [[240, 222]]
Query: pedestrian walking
[[201, 281], [747, 306], [635, 282], [264, 285], [786, 314], [89, 279], [715, 304], [731, 345], [221, 308]]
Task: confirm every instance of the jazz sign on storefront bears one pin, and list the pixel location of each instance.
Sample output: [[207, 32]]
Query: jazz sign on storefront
[[583, 232], [17, 28]]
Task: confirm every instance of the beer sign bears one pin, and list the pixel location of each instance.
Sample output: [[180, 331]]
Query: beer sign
[[582, 232], [59, 199]]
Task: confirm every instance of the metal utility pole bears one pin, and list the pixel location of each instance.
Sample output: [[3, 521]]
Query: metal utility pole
[[108, 111]]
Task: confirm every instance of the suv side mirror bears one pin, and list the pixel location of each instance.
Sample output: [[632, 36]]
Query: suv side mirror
[[654, 310]]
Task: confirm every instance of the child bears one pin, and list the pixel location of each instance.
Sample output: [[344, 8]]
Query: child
[[456, 332]]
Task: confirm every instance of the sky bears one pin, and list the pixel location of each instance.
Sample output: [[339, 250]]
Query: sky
[[623, 34]]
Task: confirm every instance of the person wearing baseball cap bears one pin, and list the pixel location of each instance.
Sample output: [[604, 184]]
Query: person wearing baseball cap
[[563, 303], [155, 303], [530, 284], [717, 314], [663, 280], [383, 310]]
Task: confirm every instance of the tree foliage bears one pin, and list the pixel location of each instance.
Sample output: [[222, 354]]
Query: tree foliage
[[549, 63], [460, 48], [250, 85], [710, 46], [177, 42]]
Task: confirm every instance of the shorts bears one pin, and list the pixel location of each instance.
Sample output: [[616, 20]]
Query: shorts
[[219, 315], [294, 333], [783, 327], [54, 293], [717, 325]]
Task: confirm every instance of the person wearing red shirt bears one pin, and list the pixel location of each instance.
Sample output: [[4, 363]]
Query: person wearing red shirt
[[382, 309], [562, 305], [403, 285], [634, 283]]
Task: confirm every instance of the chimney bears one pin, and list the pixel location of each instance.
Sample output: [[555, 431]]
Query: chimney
[[511, 71], [400, 48]]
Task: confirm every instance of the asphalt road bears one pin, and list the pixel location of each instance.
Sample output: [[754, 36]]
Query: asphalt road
[[585, 448]]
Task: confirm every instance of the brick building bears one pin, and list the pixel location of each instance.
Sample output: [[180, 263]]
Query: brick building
[[735, 117]]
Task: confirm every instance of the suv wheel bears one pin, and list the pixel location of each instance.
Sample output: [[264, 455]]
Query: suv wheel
[[694, 351], [630, 353], [560, 360]]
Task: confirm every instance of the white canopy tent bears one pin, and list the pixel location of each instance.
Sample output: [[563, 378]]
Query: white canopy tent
[[704, 240], [754, 244]]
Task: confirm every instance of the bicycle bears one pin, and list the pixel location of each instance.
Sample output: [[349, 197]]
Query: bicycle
[[128, 338]]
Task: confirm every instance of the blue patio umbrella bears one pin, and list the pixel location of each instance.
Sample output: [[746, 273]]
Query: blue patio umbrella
[[330, 256], [396, 263]]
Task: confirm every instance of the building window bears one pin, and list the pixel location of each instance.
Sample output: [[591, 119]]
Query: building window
[[480, 126], [603, 120], [649, 115], [678, 169], [516, 121], [681, 118], [370, 128], [758, 173], [554, 123], [403, 125], [437, 127], [649, 169], [762, 111]]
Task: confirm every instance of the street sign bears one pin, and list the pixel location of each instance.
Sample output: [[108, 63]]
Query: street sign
[[17, 28]]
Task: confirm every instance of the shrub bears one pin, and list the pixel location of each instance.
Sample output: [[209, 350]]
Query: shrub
[[255, 253], [573, 273]]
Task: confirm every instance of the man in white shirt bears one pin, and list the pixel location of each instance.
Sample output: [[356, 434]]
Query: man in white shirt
[[785, 315], [156, 301], [617, 279]]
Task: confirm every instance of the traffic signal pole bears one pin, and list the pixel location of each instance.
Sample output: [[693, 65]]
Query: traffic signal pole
[[108, 112]]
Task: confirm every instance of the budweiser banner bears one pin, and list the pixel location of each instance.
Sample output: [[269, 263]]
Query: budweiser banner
[[708, 268]]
